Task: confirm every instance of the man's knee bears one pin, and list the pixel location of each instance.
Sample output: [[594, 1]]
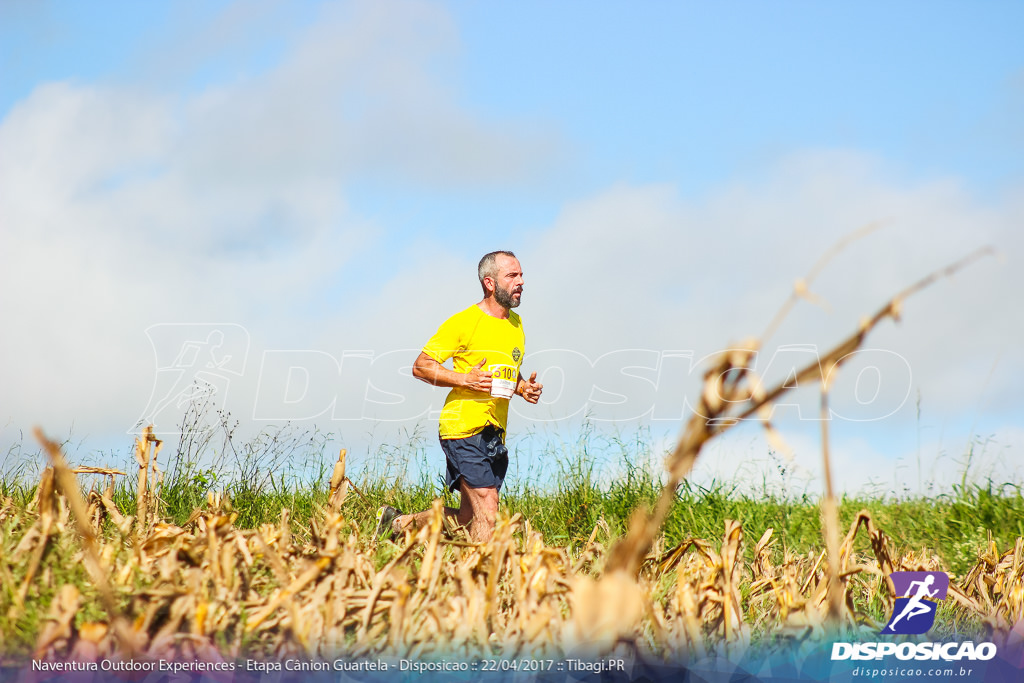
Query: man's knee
[[489, 498], [482, 501]]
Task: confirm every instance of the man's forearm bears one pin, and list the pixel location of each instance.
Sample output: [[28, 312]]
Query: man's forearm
[[438, 375], [430, 371]]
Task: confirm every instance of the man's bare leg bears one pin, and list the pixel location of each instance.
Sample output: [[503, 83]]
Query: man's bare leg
[[421, 519], [478, 508]]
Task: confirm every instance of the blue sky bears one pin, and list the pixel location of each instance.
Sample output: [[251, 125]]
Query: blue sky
[[324, 176]]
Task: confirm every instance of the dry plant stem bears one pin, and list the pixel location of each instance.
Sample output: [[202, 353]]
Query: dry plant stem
[[840, 352], [378, 587], [145, 454], [286, 594], [339, 484], [830, 519], [722, 390], [47, 513], [800, 289], [359, 493], [67, 485], [155, 477], [142, 490]]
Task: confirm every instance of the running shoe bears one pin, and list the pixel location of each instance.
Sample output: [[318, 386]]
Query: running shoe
[[386, 515]]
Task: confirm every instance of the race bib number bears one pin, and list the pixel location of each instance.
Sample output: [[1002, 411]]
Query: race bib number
[[503, 380]]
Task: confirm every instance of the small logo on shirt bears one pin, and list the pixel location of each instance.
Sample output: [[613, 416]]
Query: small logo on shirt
[[516, 354]]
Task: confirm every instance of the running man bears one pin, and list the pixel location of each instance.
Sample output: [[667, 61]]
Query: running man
[[914, 606], [487, 345]]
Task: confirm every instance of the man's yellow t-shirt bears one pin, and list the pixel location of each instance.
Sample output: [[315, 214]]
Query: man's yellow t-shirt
[[469, 337]]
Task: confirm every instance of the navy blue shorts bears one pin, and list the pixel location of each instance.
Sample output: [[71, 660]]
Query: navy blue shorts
[[480, 459]]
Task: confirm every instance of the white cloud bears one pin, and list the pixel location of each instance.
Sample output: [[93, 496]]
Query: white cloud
[[639, 267], [125, 207]]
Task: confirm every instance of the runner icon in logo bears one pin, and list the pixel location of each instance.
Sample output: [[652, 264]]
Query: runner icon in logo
[[918, 593]]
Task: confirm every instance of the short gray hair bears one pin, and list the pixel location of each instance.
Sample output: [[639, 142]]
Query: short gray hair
[[488, 266]]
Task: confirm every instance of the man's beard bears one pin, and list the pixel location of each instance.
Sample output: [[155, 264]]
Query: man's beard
[[504, 297]]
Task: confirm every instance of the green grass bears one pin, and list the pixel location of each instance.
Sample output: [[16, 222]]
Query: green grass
[[594, 478], [956, 526]]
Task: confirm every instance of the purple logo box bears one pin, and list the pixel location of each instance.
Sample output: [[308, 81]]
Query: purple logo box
[[901, 581]]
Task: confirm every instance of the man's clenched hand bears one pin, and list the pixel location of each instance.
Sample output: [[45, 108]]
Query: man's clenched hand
[[530, 389], [478, 379]]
